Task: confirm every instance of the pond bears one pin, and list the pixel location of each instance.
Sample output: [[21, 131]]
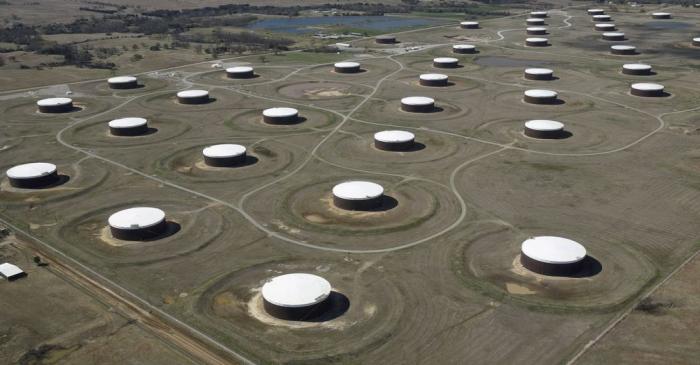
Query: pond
[[302, 25]]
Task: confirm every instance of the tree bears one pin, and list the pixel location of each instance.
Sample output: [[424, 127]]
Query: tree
[[137, 57]]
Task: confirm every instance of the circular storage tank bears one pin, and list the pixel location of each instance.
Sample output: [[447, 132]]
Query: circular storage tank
[[536, 30], [539, 74], [445, 62], [469, 25], [346, 67], [55, 105], [464, 48], [385, 39], [605, 27], [661, 15], [137, 224], [280, 115], [544, 129], [534, 21], [548, 255], [614, 36], [596, 11], [35, 175], [193, 97], [602, 18], [296, 297], [647, 89], [538, 14], [128, 126], [224, 155], [418, 104], [123, 82], [240, 72], [358, 195], [540, 96], [433, 80], [394, 140], [636, 69], [696, 42], [536, 42], [623, 49]]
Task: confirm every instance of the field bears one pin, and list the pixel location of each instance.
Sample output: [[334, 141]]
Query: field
[[436, 278]]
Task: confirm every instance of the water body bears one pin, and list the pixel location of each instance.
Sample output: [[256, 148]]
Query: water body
[[496, 61], [667, 25], [302, 25]]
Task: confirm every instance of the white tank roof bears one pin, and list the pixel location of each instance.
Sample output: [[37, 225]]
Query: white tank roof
[[537, 93], [538, 71], [596, 10], [636, 66], [239, 69], [54, 101], [445, 60], [346, 64], [358, 190], [136, 218], [543, 125], [661, 13], [647, 86], [128, 122], [296, 290], [538, 13], [9, 270], [605, 25], [433, 77], [394, 136], [553, 250], [623, 47], [613, 34], [417, 100], [121, 79], [280, 112], [536, 29], [192, 94], [697, 39], [223, 150], [463, 46], [31, 170], [537, 40], [469, 23], [601, 16], [534, 20]]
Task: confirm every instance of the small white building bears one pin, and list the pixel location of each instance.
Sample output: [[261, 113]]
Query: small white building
[[11, 272]]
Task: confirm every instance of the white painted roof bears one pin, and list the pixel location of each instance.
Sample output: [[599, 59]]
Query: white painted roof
[[346, 64], [136, 218], [386, 37], [536, 93], [54, 101], [536, 29], [696, 39], [128, 122], [538, 13], [358, 190], [553, 250], [661, 14], [623, 47], [543, 125], [239, 69], [394, 136], [280, 112], [537, 40], [601, 16], [463, 46], [534, 20], [538, 71], [31, 170], [613, 34], [417, 100], [469, 23], [595, 10], [605, 25], [636, 66], [445, 60], [433, 77], [647, 86], [121, 79], [296, 290], [9, 270], [224, 150], [192, 94]]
